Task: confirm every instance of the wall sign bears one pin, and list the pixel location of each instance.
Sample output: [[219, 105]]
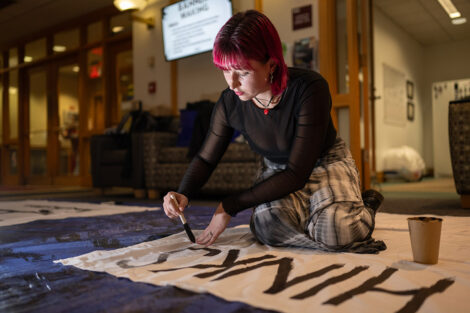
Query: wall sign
[[302, 17]]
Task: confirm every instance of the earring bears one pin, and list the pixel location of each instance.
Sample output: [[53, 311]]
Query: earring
[[271, 77]]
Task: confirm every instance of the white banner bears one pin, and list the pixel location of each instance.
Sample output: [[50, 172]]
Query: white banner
[[237, 268], [19, 212]]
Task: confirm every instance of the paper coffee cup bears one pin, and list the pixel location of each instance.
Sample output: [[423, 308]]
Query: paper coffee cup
[[425, 235]]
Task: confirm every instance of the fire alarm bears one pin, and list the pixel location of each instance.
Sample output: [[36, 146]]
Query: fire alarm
[[152, 87]]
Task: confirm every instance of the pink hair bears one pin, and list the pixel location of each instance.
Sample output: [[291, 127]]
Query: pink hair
[[250, 35]]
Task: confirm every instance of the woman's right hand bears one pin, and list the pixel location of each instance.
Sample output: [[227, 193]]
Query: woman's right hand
[[173, 208]]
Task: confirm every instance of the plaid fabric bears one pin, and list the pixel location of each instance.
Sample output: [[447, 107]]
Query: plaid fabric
[[327, 214]]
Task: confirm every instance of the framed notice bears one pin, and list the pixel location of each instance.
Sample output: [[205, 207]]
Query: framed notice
[[302, 17], [410, 111], [409, 89]]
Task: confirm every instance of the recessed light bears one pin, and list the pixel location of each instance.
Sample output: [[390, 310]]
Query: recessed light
[[59, 48], [458, 21], [117, 29], [27, 59]]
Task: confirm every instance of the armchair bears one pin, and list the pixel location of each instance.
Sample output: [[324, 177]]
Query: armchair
[[116, 161], [165, 165]]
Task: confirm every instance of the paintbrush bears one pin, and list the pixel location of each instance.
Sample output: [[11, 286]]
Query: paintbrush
[[183, 220]]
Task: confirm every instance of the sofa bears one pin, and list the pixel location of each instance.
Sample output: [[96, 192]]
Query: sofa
[[165, 164]]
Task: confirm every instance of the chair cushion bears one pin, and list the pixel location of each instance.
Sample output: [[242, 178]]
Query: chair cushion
[[113, 157]]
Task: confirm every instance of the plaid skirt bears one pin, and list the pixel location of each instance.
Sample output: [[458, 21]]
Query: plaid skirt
[[326, 214]]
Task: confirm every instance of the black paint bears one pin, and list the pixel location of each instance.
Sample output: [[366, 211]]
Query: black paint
[[365, 287], [329, 282], [281, 283]]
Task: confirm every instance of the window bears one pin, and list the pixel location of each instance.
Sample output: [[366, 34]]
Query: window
[[66, 40], [35, 50], [94, 32], [121, 23], [13, 104], [13, 57], [1, 109]]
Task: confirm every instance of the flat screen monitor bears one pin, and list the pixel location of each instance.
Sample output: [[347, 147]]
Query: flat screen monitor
[[190, 26]]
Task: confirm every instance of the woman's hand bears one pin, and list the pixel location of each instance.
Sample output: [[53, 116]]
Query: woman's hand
[[174, 209], [219, 222]]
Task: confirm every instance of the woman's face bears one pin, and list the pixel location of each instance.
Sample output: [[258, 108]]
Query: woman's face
[[248, 83]]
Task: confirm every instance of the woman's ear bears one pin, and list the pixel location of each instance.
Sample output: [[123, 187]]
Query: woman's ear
[[272, 65]]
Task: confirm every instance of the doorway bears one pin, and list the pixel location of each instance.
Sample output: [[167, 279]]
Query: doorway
[[51, 119]]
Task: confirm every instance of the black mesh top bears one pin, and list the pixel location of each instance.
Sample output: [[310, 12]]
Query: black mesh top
[[296, 132]]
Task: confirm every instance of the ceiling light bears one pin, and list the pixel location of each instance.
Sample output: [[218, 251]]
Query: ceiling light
[[450, 8], [458, 21], [124, 5], [27, 59], [135, 5], [76, 69], [59, 48]]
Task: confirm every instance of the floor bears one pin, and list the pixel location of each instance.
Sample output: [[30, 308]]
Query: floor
[[429, 196], [427, 187], [443, 188]]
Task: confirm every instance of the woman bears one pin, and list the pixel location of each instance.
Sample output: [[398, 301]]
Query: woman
[[307, 194]]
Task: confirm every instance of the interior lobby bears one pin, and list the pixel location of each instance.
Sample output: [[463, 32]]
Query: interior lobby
[[104, 104], [72, 71]]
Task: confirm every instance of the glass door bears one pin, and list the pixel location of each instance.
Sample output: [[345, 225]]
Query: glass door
[[121, 84], [36, 134], [67, 137], [52, 124], [10, 138]]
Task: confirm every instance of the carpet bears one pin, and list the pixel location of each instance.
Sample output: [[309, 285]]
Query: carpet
[[237, 268]]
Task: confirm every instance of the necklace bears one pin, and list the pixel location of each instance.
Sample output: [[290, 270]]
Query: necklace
[[265, 106]]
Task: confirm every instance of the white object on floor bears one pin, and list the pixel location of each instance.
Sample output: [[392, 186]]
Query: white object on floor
[[406, 161], [237, 268]]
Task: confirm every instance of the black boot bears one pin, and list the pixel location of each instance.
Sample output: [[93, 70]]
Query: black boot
[[372, 199]]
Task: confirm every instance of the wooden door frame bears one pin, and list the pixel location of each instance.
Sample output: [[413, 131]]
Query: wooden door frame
[[328, 68], [112, 107]]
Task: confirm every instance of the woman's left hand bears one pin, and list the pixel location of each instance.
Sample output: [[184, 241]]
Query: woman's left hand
[[219, 222]]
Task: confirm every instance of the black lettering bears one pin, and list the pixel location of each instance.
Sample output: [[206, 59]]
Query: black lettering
[[280, 282], [331, 281], [366, 286], [228, 263], [419, 295], [163, 257]]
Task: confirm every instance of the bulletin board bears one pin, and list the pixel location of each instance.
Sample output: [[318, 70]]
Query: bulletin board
[[394, 94]]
